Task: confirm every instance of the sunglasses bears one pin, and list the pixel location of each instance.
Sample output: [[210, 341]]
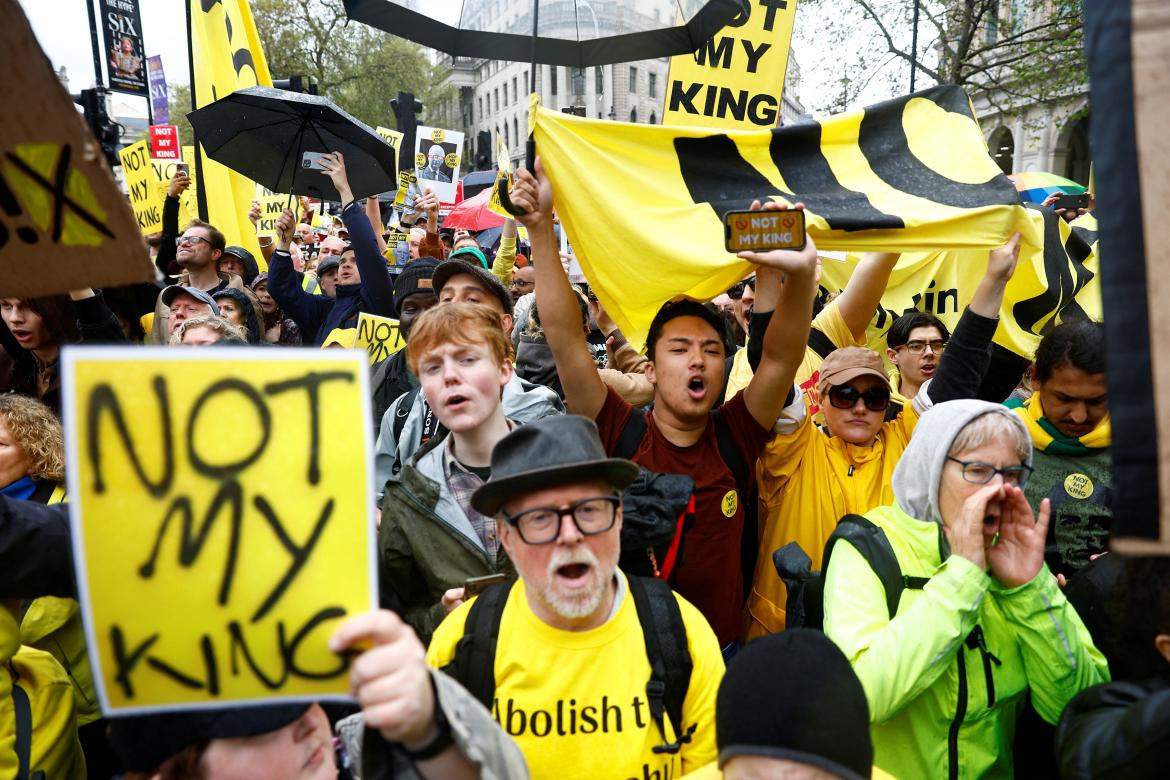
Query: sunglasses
[[876, 399]]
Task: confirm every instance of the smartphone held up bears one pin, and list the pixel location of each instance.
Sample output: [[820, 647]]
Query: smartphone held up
[[761, 231]]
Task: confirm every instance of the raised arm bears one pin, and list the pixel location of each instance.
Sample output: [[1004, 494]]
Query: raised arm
[[863, 293], [305, 309], [786, 280], [560, 314], [170, 223], [965, 361], [374, 215], [505, 262], [377, 288]]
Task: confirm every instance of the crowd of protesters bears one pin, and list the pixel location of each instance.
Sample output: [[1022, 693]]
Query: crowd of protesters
[[578, 543]]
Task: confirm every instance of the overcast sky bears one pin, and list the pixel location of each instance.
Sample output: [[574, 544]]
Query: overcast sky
[[62, 27]]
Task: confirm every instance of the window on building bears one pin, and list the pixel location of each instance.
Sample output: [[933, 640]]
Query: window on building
[[652, 84], [495, 100], [516, 129], [599, 81], [479, 103], [633, 79], [527, 83], [633, 115], [507, 141], [1019, 15], [991, 31], [578, 81], [552, 79], [515, 92], [653, 118], [505, 93]]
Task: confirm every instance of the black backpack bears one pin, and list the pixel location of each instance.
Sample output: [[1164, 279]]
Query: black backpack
[[806, 588], [665, 635], [658, 509]]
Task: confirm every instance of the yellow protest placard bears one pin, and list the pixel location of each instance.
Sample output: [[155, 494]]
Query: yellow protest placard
[[392, 137], [736, 77], [406, 180], [221, 520], [378, 336], [271, 206], [503, 171], [142, 187], [164, 171]]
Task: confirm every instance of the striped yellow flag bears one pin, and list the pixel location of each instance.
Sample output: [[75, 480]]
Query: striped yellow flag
[[1057, 280], [226, 56], [643, 204]]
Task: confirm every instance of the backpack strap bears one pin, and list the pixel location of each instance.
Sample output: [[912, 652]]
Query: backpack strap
[[669, 656], [631, 436], [820, 343], [406, 405], [474, 663], [23, 732], [871, 542], [733, 458]]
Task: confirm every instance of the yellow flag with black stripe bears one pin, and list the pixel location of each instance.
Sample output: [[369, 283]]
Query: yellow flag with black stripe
[[1054, 282], [910, 174], [226, 56]]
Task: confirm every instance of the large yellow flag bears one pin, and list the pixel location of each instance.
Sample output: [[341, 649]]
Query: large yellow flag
[[642, 204], [226, 57]]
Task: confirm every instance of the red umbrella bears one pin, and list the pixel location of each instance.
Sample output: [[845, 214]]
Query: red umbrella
[[473, 213]]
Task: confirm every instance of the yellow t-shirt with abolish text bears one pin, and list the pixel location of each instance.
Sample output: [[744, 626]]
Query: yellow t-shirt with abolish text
[[575, 701]]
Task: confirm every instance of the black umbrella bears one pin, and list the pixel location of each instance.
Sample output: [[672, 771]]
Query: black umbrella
[[564, 32], [264, 133]]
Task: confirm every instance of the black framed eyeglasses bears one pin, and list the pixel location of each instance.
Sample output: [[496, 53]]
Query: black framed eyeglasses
[[979, 473], [592, 516], [190, 240], [918, 347], [876, 399]]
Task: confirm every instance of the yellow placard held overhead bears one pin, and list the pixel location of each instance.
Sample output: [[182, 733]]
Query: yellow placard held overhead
[[227, 57], [142, 186], [221, 522], [392, 137], [164, 171], [910, 174], [272, 205], [380, 337], [736, 78]]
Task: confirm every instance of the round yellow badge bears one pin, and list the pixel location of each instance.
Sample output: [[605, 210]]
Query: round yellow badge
[[451, 160], [420, 160], [1078, 485], [729, 503], [438, 135]]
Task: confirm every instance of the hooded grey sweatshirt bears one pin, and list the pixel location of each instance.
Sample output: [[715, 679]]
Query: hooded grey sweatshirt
[[919, 472]]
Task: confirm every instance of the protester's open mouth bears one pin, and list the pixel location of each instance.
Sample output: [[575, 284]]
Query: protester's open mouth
[[22, 335], [697, 388], [456, 402], [573, 573], [928, 369]]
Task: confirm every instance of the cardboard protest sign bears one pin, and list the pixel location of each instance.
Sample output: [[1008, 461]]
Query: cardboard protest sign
[[222, 527], [142, 186], [378, 336], [736, 77], [407, 186], [503, 171], [60, 210], [125, 54], [437, 158], [164, 142]]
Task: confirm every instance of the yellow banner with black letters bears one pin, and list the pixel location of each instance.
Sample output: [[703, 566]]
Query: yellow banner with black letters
[[907, 175]]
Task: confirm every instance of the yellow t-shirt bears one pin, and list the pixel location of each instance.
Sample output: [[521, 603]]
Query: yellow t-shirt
[[575, 701]]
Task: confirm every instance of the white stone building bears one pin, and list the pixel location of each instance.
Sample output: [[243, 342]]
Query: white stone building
[[493, 95]]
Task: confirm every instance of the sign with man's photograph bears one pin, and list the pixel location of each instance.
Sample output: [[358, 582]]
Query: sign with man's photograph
[[124, 48], [437, 159]]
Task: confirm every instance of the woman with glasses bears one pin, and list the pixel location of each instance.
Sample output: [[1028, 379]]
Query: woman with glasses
[[816, 476], [981, 621]]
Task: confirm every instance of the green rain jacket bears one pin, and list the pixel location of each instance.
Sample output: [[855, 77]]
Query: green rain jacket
[[946, 677]]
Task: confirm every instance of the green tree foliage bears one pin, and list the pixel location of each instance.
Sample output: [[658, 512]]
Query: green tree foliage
[[1011, 52], [180, 104], [358, 68]]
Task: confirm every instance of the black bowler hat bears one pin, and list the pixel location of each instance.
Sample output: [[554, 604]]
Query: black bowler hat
[[550, 452]]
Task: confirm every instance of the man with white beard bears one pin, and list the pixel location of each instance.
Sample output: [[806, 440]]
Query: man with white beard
[[593, 672]]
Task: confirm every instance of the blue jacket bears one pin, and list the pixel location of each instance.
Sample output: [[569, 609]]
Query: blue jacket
[[318, 315]]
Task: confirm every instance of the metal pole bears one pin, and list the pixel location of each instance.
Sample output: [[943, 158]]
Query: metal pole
[[93, 36], [914, 47], [200, 190], [530, 146]]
